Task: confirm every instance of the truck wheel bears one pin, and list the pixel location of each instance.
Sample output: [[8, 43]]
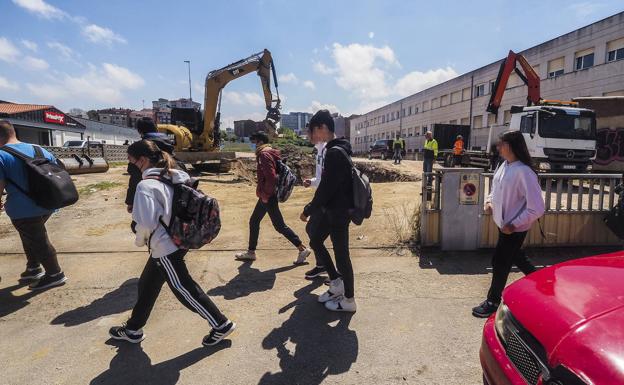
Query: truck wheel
[[383, 156]]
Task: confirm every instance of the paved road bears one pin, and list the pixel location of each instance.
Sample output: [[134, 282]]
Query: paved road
[[413, 325]]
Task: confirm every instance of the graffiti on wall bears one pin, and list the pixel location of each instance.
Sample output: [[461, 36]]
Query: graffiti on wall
[[609, 145]]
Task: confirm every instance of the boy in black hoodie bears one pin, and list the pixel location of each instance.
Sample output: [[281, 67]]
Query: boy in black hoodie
[[147, 129], [333, 200]]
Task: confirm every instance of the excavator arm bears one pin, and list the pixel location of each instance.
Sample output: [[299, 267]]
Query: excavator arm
[[262, 64], [530, 78]]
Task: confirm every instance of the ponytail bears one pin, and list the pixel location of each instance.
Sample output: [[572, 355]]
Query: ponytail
[[155, 155]]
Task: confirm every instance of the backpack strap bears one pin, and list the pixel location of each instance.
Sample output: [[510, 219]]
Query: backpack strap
[[342, 150], [38, 152], [20, 156]]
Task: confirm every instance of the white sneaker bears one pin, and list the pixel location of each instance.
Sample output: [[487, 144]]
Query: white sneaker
[[246, 256], [336, 289], [303, 254], [342, 304]]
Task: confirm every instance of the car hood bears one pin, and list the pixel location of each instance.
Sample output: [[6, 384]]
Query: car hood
[[568, 306]]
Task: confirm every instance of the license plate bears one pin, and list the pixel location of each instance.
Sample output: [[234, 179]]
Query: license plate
[[569, 167]]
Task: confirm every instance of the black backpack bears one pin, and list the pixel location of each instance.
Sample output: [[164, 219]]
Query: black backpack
[[362, 193], [285, 181], [49, 185]]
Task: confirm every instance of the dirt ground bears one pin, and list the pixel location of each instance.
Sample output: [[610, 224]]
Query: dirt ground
[[413, 324]]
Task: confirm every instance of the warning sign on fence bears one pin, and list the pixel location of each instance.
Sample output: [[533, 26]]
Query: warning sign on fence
[[469, 189]]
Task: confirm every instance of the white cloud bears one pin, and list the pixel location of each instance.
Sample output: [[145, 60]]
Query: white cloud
[[358, 69], [309, 84], [8, 52], [102, 84], [6, 84], [31, 45], [41, 9], [35, 64], [316, 105], [323, 69], [417, 81], [96, 34], [63, 50], [288, 78], [243, 98], [585, 9], [371, 35]]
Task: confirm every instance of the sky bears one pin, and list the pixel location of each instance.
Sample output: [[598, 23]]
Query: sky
[[347, 56]]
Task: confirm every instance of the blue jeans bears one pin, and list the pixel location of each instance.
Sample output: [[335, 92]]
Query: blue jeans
[[428, 167]]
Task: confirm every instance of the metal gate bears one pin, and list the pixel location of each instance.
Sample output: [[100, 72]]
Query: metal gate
[[575, 207]]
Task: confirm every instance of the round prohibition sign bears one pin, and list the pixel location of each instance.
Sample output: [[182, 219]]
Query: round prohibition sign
[[470, 189]]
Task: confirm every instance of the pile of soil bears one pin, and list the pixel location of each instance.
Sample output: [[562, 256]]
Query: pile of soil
[[301, 164], [381, 173]]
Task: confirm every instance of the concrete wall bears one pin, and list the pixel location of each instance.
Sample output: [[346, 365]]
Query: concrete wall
[[598, 80]]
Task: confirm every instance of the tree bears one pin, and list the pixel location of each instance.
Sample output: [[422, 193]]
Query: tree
[[288, 133], [92, 114]]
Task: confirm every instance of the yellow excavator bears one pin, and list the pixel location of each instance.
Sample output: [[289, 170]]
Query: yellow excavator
[[197, 138]]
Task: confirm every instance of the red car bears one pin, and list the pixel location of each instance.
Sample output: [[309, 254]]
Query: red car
[[562, 325]]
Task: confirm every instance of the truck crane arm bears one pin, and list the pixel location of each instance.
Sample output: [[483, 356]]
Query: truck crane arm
[[530, 78], [262, 64]]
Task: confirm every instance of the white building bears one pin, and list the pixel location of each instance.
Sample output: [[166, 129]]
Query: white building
[[585, 62]]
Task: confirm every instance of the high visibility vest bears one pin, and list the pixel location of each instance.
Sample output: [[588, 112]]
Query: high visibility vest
[[432, 145], [459, 147]]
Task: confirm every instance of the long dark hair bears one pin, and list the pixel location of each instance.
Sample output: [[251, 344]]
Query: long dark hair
[[155, 155], [518, 146]]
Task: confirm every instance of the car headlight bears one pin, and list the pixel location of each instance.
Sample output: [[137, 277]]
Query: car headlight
[[500, 322], [544, 166]]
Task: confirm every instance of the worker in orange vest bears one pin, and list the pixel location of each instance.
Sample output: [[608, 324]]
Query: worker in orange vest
[[458, 150]]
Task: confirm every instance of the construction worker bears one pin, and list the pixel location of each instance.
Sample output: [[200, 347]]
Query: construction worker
[[430, 154], [398, 146], [458, 150]]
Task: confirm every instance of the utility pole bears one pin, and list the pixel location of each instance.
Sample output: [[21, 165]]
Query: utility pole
[[189, 76]]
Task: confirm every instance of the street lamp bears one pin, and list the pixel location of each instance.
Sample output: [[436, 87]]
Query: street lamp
[[189, 76]]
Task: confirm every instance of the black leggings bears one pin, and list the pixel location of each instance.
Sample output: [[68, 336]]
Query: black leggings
[[172, 269], [271, 208], [336, 226], [508, 252]]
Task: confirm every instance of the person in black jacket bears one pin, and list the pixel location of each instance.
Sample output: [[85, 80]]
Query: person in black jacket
[[147, 129], [333, 200]]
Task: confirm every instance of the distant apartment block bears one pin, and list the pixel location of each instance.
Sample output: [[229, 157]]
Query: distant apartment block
[[296, 121], [162, 108]]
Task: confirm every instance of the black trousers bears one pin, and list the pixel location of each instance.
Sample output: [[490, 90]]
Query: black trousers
[[171, 269], [314, 222], [335, 225], [428, 167], [271, 208], [37, 246], [508, 252]]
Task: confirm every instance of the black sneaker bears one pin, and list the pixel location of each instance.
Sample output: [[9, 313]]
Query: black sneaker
[[31, 274], [485, 310], [121, 333], [217, 335], [49, 281], [318, 270]]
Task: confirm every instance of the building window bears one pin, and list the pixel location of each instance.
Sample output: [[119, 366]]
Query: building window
[[477, 121], [444, 100], [435, 103], [415, 109], [466, 93], [403, 112], [615, 50], [424, 130], [555, 67], [506, 117], [425, 105], [491, 119], [480, 90], [492, 85], [584, 59], [455, 97], [465, 121], [409, 110], [387, 117], [454, 121]]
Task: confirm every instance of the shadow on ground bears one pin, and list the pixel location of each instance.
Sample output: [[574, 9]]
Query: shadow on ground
[[117, 301], [249, 280], [12, 303], [479, 262], [131, 365], [312, 344]]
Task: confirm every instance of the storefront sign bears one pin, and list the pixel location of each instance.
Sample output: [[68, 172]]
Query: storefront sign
[[53, 117]]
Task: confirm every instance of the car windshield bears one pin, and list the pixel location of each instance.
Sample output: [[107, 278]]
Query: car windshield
[[565, 126], [73, 143]]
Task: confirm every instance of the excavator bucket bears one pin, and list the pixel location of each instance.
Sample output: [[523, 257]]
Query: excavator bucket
[[83, 164]]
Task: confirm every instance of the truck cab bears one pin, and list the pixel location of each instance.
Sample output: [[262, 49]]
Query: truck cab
[[559, 138]]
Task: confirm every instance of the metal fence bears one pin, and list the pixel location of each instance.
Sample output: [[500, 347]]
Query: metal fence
[[576, 205]]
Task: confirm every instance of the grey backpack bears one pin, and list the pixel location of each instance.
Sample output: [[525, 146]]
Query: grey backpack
[[362, 193]]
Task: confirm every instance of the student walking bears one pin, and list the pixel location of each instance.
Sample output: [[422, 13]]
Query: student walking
[[266, 160], [27, 217], [515, 203], [148, 130], [332, 201], [398, 145], [152, 206], [430, 153], [316, 218]]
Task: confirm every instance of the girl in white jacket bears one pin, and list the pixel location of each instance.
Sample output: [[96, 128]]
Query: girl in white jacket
[[152, 204], [515, 203]]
